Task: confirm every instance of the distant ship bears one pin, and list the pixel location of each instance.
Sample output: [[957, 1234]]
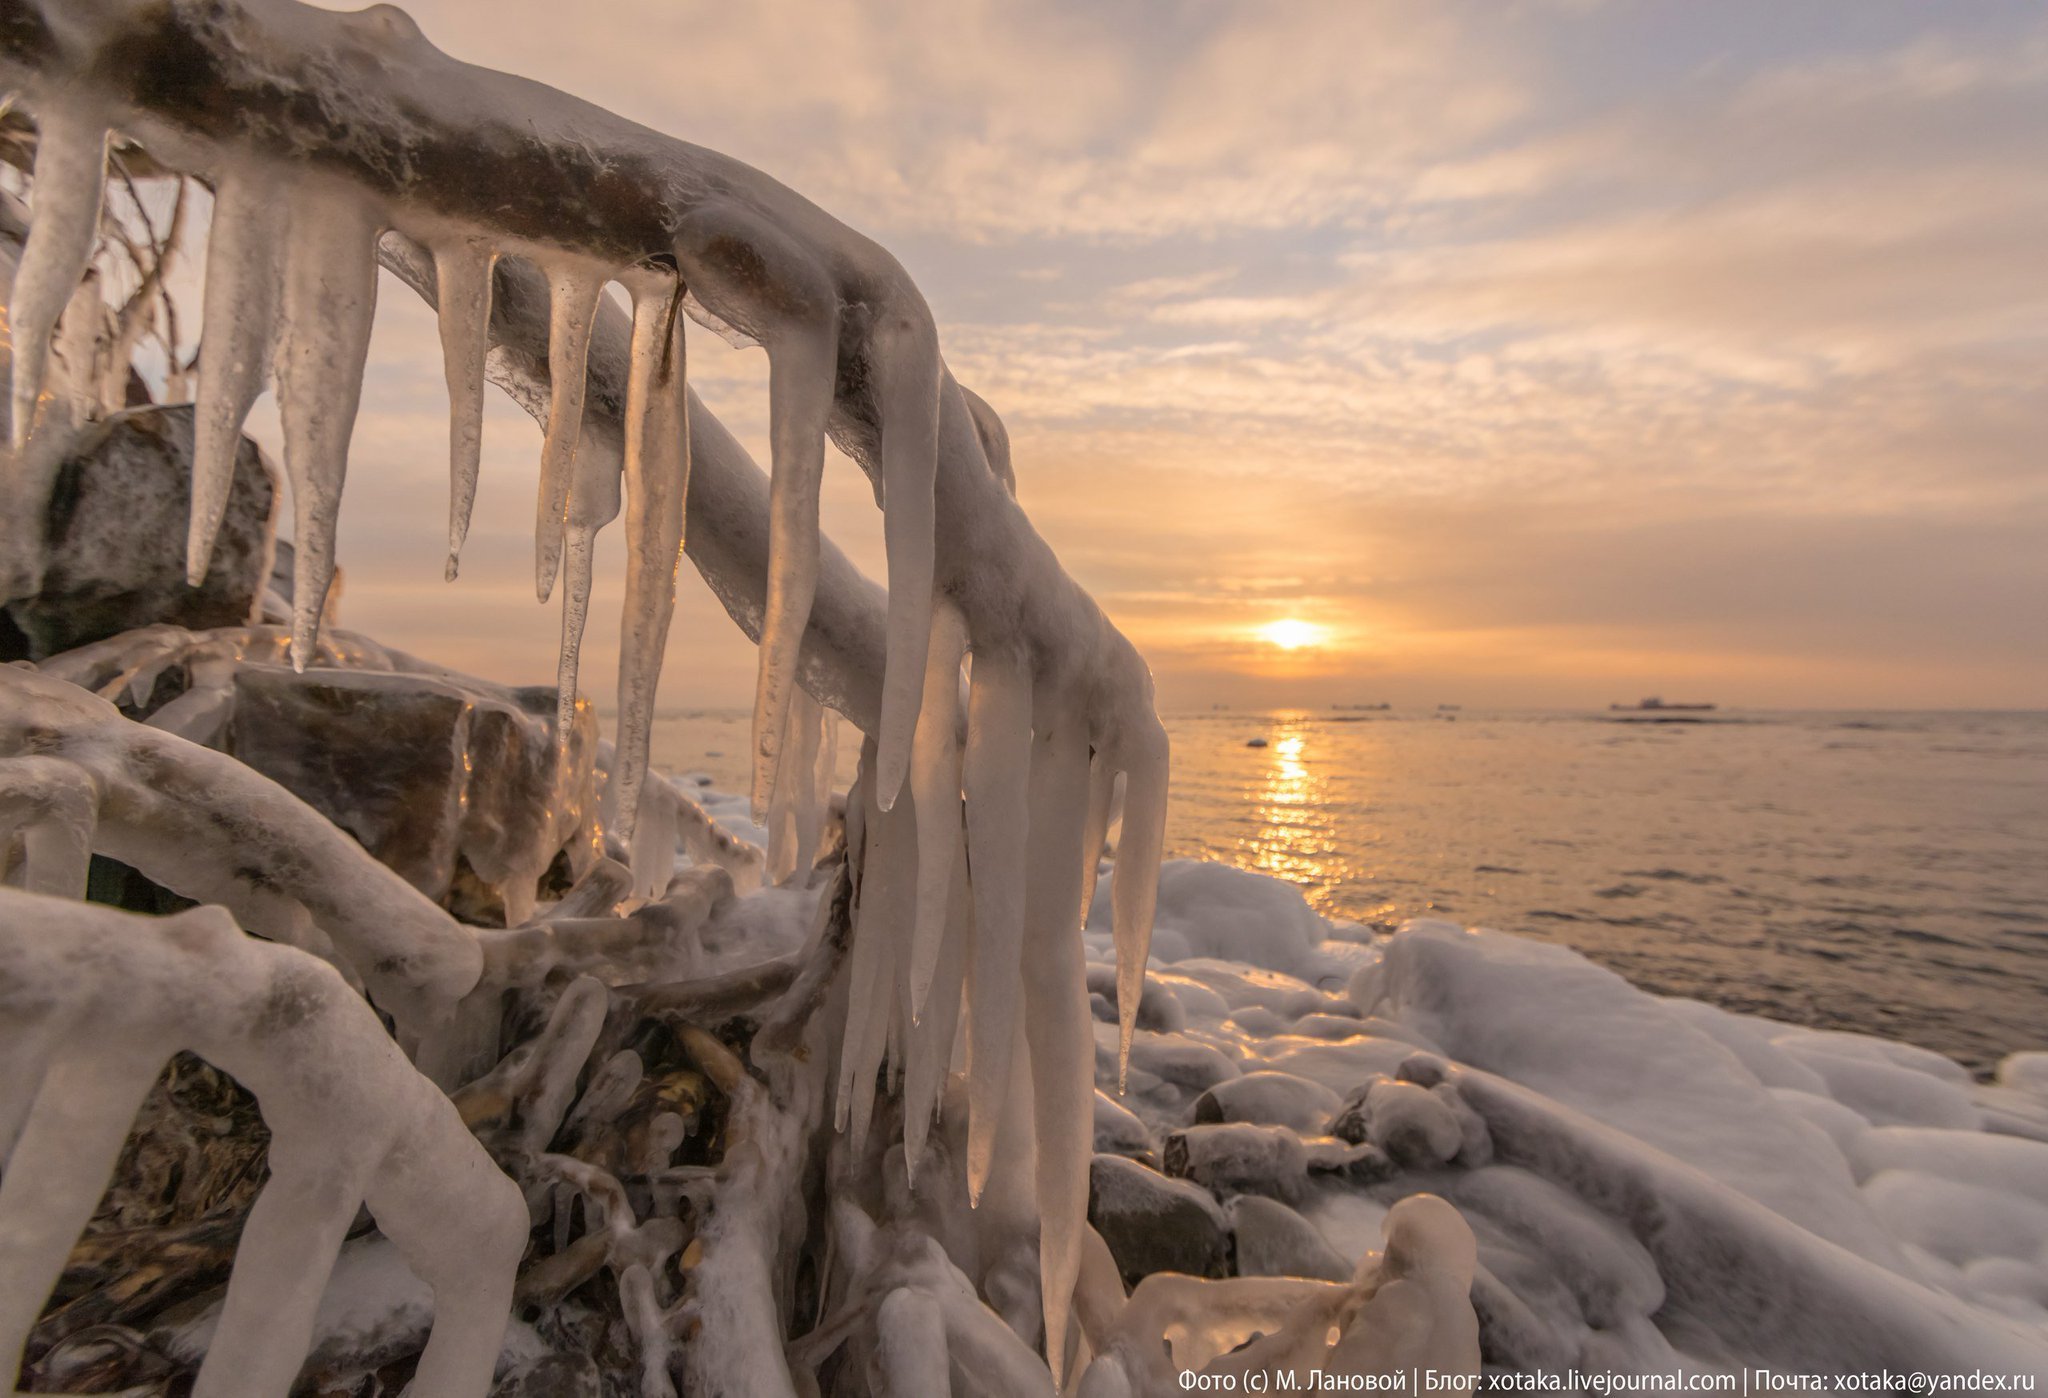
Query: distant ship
[[1655, 705], [1363, 708]]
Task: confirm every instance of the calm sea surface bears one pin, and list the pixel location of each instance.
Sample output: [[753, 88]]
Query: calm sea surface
[[1886, 872]]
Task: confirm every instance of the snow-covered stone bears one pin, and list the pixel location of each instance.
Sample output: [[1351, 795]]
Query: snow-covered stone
[[113, 535], [1156, 1224]]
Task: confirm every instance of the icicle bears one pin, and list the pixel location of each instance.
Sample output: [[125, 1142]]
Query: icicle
[[824, 773], [242, 251], [573, 292], [652, 840], [995, 774], [934, 1034], [1134, 882], [788, 808], [801, 372], [1056, 1019], [70, 181], [462, 275], [329, 300], [907, 356], [593, 503], [881, 932], [657, 488], [935, 780], [1102, 779]]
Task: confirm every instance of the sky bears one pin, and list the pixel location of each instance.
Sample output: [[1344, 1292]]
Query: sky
[[1529, 354]]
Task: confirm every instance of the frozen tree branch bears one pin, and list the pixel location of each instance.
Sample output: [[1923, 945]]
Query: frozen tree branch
[[203, 825], [332, 140], [97, 1000]]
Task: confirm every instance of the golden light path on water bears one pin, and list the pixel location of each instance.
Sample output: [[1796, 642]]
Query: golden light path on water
[[1296, 837]]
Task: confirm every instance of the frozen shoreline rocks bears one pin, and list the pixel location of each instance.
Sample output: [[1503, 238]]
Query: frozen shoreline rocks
[[1653, 1185]]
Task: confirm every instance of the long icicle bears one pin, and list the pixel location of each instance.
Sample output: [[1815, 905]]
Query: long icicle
[[462, 276], [933, 1035], [935, 782], [788, 806], [995, 773], [818, 803], [657, 489], [593, 503], [909, 373], [70, 184], [888, 888], [801, 368], [1056, 1020], [329, 300], [573, 291], [1102, 779], [1134, 881], [243, 247]]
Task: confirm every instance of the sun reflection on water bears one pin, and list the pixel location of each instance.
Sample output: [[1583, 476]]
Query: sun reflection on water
[[1295, 839]]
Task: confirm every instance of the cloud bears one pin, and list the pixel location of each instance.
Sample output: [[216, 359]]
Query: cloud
[[1538, 349]]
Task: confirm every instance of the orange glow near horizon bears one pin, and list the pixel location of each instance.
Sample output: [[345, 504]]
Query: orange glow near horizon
[[1292, 633]]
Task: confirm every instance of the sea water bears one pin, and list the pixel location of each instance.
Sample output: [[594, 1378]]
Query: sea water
[[1883, 872]]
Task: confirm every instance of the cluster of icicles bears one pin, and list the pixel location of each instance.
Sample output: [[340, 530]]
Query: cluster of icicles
[[977, 838]]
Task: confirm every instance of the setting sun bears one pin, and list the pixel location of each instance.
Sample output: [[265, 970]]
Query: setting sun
[[1292, 633]]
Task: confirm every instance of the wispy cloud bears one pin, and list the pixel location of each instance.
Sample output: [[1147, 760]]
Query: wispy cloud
[[1533, 349]]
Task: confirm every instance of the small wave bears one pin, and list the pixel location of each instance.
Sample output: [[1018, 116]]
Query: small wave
[[1673, 876]]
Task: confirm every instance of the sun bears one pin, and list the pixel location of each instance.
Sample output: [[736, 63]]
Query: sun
[[1292, 633]]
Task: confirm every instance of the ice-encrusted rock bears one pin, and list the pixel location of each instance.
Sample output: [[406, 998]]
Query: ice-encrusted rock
[[1412, 1124], [1155, 1224], [1239, 1158], [1118, 1131], [1272, 1240], [1268, 1099], [1209, 909], [449, 781], [1561, 1239], [1159, 1009], [113, 537]]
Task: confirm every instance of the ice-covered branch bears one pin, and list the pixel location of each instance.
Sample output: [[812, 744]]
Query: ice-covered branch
[[203, 825], [99, 999], [521, 203]]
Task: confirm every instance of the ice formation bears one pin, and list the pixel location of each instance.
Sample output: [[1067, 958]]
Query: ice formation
[[852, 351], [863, 1097], [96, 1000], [202, 824]]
